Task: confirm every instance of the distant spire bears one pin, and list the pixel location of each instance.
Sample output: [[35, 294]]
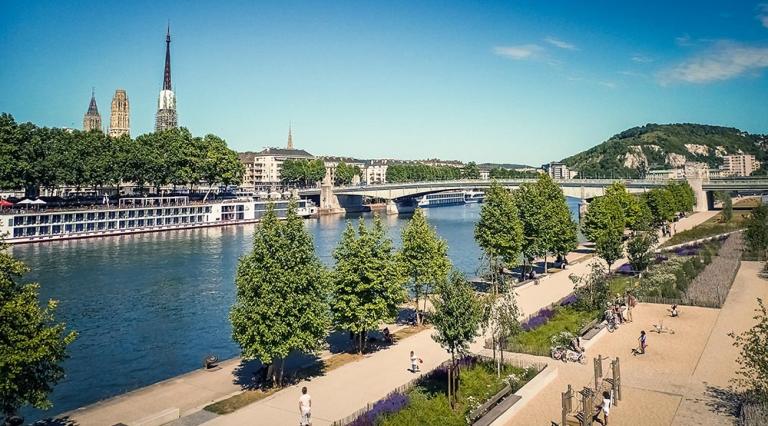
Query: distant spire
[[92, 109], [167, 74], [290, 137]]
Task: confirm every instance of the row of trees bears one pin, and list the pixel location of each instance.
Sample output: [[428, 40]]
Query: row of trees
[[609, 216], [502, 173], [40, 157], [288, 301], [397, 173]]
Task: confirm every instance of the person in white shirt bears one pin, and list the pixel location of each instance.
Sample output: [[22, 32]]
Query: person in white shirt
[[605, 407], [305, 408], [415, 363]]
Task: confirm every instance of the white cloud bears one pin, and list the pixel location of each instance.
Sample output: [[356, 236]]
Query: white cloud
[[560, 43], [642, 59], [683, 41], [523, 51], [725, 60], [763, 15]]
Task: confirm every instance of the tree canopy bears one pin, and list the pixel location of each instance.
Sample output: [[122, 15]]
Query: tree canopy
[[345, 173], [282, 295], [603, 214], [499, 232], [368, 280], [39, 157], [417, 172], [302, 172], [34, 344], [424, 256]]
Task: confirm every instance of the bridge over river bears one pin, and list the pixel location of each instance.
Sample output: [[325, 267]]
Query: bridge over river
[[399, 195]]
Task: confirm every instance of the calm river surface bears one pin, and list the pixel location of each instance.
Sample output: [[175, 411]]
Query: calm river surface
[[149, 307]]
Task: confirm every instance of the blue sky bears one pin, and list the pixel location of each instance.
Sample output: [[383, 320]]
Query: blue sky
[[522, 81]]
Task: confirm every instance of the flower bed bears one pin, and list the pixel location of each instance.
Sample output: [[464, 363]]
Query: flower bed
[[425, 402]]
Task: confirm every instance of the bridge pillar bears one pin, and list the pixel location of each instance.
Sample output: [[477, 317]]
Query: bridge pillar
[[329, 203], [392, 207], [701, 195]]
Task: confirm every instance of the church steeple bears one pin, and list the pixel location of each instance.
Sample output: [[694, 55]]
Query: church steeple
[[92, 108], [92, 119], [290, 137], [167, 74]]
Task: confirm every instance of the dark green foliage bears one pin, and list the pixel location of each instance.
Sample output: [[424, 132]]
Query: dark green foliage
[[35, 158], [502, 173], [470, 171], [345, 173], [661, 204], [424, 256], [457, 314], [302, 172], [592, 289], [727, 201], [368, 280], [639, 250], [756, 234], [609, 246], [417, 172], [499, 231], [282, 293], [753, 359], [603, 214], [32, 345], [607, 158]]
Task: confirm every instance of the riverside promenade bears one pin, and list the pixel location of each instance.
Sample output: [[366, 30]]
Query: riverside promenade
[[335, 395]]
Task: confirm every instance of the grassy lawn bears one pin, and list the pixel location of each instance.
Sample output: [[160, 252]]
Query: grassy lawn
[[620, 284], [537, 341], [233, 403], [715, 225], [428, 403]]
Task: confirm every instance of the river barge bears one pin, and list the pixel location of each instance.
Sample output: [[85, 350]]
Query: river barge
[[135, 215]]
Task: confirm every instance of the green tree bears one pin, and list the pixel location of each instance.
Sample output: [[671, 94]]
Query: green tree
[[753, 358], [368, 281], [592, 289], [559, 233], [345, 173], [302, 171], [639, 250], [424, 256], [603, 214], [457, 316], [756, 233], [662, 205], [470, 171], [531, 208], [504, 322], [499, 231], [609, 246], [218, 164], [727, 210], [281, 302], [34, 344], [683, 196], [630, 204]]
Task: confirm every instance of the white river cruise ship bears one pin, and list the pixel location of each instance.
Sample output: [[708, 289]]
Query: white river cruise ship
[[135, 215]]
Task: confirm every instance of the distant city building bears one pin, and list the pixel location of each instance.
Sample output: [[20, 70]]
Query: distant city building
[[119, 118], [375, 172], [665, 174], [92, 118], [739, 165], [262, 169], [332, 162], [693, 169], [166, 103], [558, 171]]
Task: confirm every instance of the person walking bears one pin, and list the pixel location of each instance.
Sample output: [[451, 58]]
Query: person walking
[[605, 408], [642, 344], [305, 408], [415, 363]]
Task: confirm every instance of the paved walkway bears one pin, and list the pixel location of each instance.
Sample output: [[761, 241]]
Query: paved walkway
[[683, 377], [335, 395]]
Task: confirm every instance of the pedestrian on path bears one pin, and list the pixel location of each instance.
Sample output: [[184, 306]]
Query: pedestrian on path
[[642, 344], [415, 363], [605, 408], [305, 408]]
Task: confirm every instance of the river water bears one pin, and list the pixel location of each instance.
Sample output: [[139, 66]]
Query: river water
[[148, 307]]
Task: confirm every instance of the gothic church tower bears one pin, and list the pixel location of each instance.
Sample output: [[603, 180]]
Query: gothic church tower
[[166, 103], [119, 119], [92, 118]]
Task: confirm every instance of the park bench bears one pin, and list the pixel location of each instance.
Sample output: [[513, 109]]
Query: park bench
[[590, 330], [485, 414]]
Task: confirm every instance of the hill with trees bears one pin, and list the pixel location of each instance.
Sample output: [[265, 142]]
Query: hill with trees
[[634, 151]]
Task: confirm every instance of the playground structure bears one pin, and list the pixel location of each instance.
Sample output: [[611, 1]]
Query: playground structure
[[583, 415]]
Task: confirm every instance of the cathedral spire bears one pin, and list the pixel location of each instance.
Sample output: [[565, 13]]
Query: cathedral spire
[[92, 108], [167, 74], [290, 137]]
